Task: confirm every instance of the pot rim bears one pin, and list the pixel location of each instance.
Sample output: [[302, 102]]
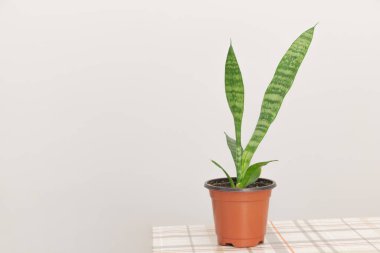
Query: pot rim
[[209, 186]]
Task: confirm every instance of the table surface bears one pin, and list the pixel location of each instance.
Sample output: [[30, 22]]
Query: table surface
[[359, 235]]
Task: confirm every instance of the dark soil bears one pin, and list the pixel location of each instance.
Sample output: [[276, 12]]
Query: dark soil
[[261, 182]]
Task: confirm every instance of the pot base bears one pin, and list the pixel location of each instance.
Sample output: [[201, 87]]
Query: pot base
[[245, 243]]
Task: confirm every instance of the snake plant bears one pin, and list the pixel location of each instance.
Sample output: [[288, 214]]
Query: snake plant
[[247, 173]]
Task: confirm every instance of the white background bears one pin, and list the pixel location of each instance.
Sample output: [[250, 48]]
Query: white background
[[111, 110]]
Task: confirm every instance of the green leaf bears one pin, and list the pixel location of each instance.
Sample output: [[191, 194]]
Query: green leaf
[[235, 97], [225, 172], [232, 146], [274, 95], [252, 174]]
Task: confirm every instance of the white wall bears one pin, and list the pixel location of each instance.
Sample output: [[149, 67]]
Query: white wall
[[111, 110]]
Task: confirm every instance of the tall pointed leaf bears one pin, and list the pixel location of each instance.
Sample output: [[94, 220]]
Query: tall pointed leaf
[[225, 172], [235, 96], [252, 174], [276, 91]]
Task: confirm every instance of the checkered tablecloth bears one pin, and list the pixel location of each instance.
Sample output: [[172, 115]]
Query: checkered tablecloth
[[359, 235]]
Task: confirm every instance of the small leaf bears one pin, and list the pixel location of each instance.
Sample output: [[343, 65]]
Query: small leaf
[[252, 173], [225, 172], [232, 146]]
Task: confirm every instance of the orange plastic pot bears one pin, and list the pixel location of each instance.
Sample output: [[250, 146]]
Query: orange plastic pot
[[240, 215]]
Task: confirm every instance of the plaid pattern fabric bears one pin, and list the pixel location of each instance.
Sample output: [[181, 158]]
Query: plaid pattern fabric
[[359, 235]]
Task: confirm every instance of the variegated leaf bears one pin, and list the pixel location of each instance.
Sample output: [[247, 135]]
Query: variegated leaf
[[276, 91], [232, 146], [235, 96]]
